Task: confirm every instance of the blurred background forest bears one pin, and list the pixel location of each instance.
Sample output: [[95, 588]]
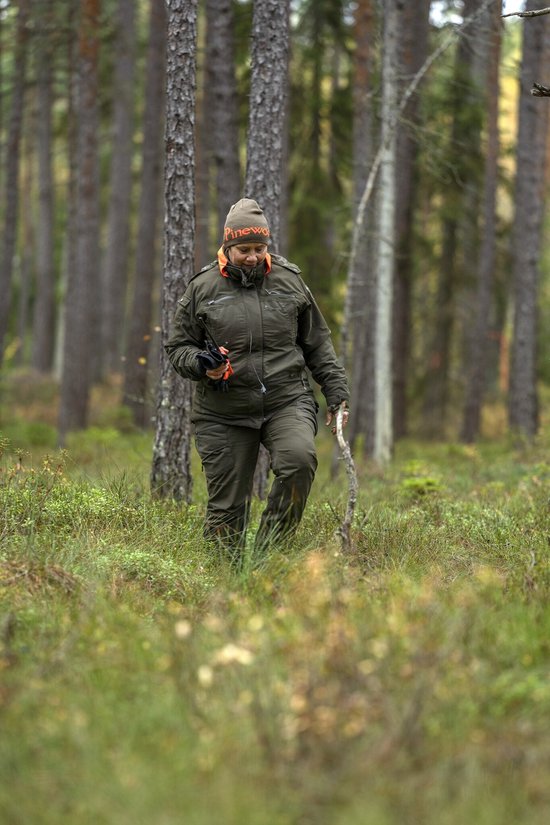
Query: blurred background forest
[[82, 108]]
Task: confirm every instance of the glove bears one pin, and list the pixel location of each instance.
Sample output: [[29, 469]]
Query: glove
[[210, 358], [213, 357]]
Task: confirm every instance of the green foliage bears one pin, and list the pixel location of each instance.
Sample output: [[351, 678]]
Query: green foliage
[[32, 433], [417, 482]]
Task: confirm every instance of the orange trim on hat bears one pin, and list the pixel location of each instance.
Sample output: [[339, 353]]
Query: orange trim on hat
[[223, 261]]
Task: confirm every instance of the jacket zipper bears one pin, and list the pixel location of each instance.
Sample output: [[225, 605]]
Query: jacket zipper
[[250, 355], [219, 300], [263, 387]]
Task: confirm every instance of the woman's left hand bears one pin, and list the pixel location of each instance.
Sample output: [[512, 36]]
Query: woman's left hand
[[331, 416]]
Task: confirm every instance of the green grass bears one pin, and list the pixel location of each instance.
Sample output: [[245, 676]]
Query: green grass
[[143, 680]]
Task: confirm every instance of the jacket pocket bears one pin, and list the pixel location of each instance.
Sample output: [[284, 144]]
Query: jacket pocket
[[280, 316]]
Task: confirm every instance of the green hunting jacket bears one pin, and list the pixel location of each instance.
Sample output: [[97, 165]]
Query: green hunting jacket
[[273, 330]]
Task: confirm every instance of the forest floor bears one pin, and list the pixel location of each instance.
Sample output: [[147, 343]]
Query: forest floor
[[144, 681]]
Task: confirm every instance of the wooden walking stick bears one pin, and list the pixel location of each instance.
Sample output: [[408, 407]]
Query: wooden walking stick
[[344, 531]]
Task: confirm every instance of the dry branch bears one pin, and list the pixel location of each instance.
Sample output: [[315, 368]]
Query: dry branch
[[534, 13], [539, 90]]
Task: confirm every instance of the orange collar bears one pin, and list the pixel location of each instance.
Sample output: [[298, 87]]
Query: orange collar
[[222, 263]]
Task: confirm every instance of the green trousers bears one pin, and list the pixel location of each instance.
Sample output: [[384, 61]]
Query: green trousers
[[229, 453]]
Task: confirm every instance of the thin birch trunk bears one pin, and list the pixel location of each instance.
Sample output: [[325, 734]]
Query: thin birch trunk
[[383, 430]]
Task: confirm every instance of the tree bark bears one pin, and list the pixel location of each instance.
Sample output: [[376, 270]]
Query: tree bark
[[480, 343], [223, 105], [43, 335], [526, 243], [464, 132], [285, 183], [12, 157], [171, 469], [139, 327], [358, 325], [203, 151], [26, 257], [1, 96], [413, 53], [268, 88], [264, 167], [115, 269], [81, 322], [70, 231]]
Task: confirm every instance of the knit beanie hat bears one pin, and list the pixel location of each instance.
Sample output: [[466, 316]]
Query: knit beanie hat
[[245, 223]]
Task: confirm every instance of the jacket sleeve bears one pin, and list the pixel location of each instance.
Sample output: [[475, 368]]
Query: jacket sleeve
[[186, 339], [315, 341]]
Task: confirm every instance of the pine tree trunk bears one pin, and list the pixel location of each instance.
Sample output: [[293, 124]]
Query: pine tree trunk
[[460, 152], [1, 97], [203, 152], [413, 51], [70, 232], [115, 269], [43, 334], [332, 170], [268, 90], [471, 237], [223, 105], [383, 430], [171, 469], [476, 364], [139, 326], [285, 183], [264, 167], [81, 321], [359, 318], [529, 208], [11, 164], [26, 257]]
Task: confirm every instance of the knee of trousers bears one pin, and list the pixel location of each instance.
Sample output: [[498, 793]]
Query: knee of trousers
[[300, 462]]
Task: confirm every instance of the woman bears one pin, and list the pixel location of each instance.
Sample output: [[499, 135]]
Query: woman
[[246, 329]]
